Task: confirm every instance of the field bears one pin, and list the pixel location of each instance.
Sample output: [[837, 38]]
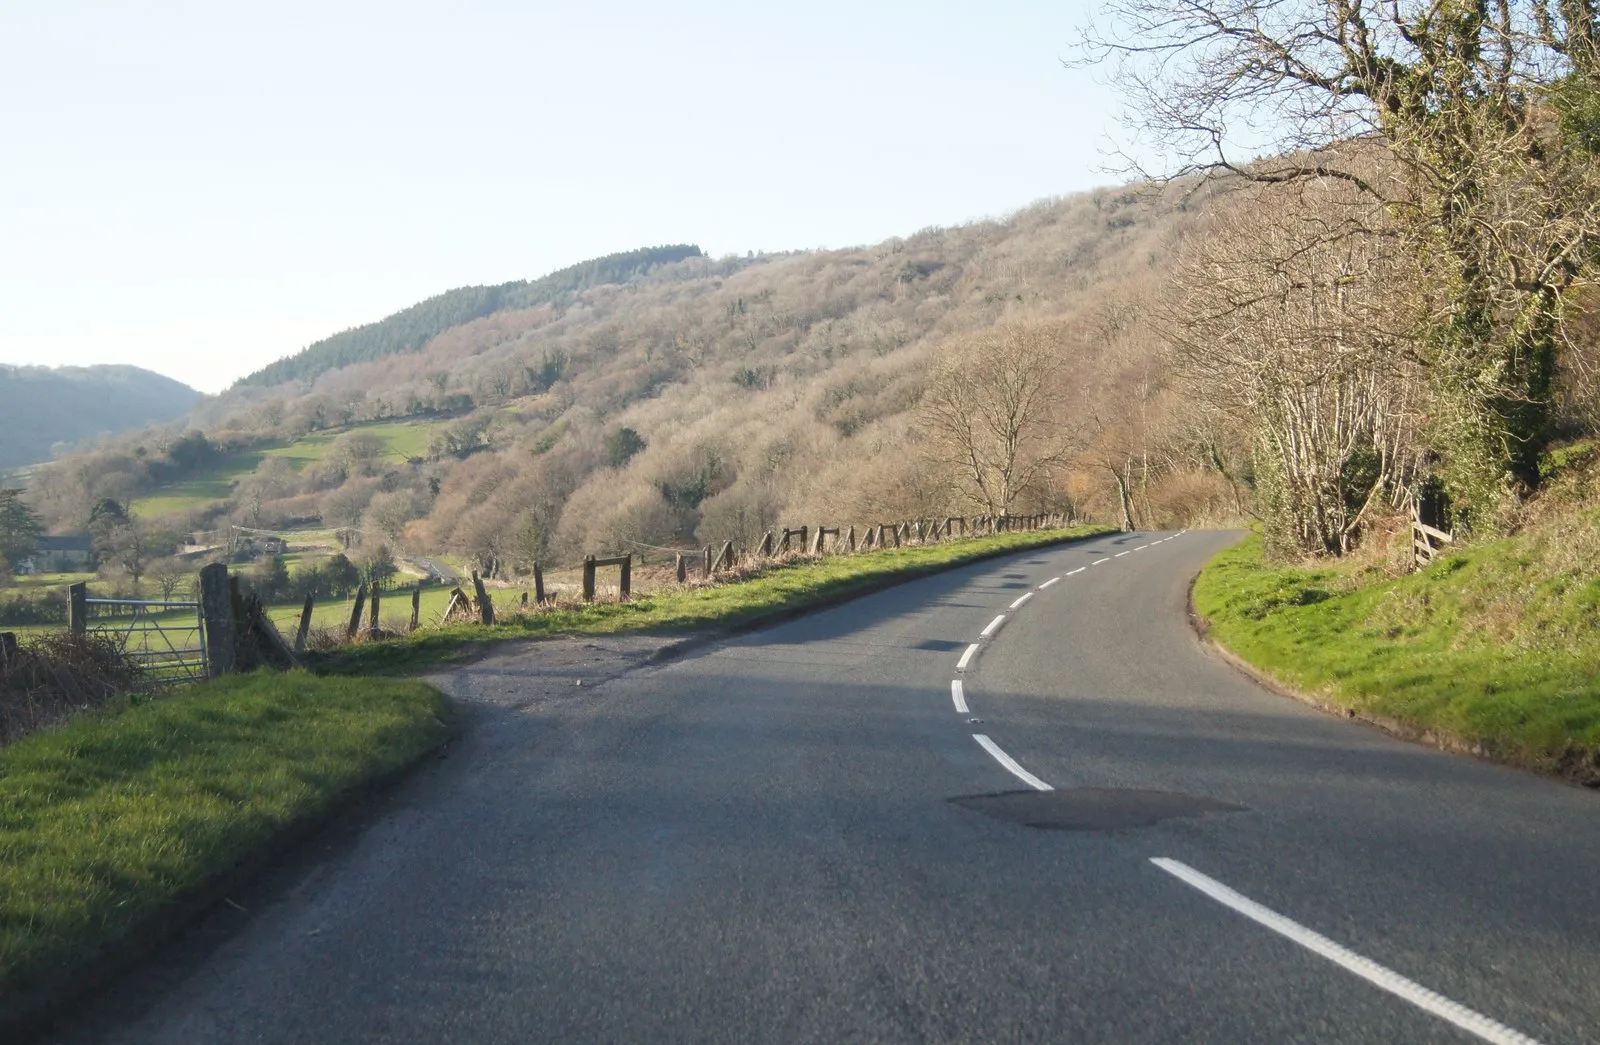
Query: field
[[402, 440]]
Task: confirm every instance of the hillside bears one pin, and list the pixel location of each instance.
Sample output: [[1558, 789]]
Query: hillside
[[410, 329], [47, 409], [695, 400]]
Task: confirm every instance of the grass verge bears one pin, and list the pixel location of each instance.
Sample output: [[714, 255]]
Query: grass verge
[[1467, 652], [114, 827], [769, 596]]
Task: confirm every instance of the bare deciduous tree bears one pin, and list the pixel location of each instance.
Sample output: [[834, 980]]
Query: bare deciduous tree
[[992, 408], [1484, 112], [1291, 332]]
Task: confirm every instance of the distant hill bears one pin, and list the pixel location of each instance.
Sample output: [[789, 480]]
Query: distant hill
[[43, 407], [410, 329]]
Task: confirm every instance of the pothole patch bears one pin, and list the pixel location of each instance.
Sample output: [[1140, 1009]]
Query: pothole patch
[[1091, 808]]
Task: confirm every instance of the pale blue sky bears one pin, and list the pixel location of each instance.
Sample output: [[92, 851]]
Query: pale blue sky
[[200, 188]]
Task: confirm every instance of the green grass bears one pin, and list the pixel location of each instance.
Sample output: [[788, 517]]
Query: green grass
[[769, 595], [1498, 644], [186, 496], [402, 440], [110, 823]]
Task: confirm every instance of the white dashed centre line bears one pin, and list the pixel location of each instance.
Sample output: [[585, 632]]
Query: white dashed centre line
[[966, 658], [958, 695], [993, 627], [1011, 764], [1119, 555], [1141, 547], [1022, 600], [1077, 571], [1099, 561], [1049, 582], [1369, 970]]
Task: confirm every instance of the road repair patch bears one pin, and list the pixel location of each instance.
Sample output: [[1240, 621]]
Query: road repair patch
[[1091, 808]]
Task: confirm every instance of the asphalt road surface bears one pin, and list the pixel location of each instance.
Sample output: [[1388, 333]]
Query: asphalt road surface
[[811, 834]]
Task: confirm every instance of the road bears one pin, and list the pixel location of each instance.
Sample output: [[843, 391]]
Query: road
[[784, 838]]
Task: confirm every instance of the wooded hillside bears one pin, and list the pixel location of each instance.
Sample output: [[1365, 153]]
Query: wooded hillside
[[41, 407], [702, 399]]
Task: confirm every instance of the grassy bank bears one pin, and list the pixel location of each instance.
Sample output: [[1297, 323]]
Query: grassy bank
[[112, 824], [1497, 645], [769, 595]]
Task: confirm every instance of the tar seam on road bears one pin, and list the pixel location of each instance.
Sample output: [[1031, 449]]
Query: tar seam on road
[[1472, 1022], [966, 658], [1011, 763], [960, 697], [1022, 600], [993, 627], [1049, 582]]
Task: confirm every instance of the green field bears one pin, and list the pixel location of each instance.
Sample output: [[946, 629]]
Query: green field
[[402, 441], [186, 496]]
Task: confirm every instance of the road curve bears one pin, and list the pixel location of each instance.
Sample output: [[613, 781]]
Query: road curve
[[818, 833]]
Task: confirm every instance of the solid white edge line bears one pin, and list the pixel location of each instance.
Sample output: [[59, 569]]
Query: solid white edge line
[[1369, 970], [993, 627], [1011, 764], [966, 658], [1022, 600], [1099, 561], [1052, 580], [1075, 572], [958, 695]]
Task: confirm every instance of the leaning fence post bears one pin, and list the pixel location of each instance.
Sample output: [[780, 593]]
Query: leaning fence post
[[216, 609], [416, 606], [355, 613], [78, 608], [305, 624], [485, 606], [588, 578]]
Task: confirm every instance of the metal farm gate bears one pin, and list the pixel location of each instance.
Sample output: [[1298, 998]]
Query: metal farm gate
[[166, 639]]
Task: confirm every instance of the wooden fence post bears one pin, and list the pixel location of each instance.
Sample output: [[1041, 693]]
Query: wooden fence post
[[897, 535], [216, 609], [921, 534], [588, 578], [8, 647], [626, 583], [524, 602], [372, 621], [78, 608], [816, 542], [681, 567], [725, 557], [485, 604], [304, 629], [538, 584], [850, 540], [765, 551], [705, 568], [355, 613], [416, 606]]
